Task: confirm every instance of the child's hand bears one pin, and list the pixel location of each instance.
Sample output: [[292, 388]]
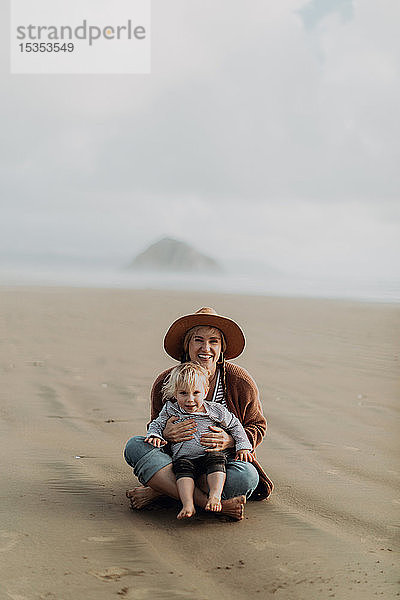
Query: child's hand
[[155, 441], [244, 455]]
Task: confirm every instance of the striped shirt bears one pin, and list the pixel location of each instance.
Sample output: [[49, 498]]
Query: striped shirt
[[218, 395]]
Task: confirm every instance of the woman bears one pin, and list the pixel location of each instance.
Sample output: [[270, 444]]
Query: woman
[[208, 339]]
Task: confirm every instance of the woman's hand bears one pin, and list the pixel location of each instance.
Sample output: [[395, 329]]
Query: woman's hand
[[244, 455], [181, 432], [155, 441], [216, 439]]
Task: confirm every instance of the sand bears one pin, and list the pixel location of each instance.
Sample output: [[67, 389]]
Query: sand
[[77, 366]]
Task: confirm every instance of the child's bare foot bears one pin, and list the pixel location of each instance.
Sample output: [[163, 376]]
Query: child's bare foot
[[234, 507], [141, 496], [214, 504], [186, 512]]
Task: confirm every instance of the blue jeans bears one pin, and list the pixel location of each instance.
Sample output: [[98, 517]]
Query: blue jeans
[[146, 461]]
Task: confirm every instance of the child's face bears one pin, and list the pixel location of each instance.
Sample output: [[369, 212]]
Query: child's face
[[191, 401]]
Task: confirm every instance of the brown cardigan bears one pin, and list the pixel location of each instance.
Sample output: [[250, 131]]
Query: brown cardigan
[[242, 400]]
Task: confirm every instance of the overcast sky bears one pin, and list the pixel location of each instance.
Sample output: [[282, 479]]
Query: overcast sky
[[266, 130]]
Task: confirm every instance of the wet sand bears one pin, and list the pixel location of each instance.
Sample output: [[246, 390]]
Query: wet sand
[[77, 366]]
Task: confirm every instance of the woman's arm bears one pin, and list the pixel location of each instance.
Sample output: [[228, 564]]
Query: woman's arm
[[156, 395], [251, 413], [217, 439], [235, 428], [244, 401]]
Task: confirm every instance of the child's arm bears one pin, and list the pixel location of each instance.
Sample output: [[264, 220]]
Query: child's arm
[[236, 429], [156, 428]]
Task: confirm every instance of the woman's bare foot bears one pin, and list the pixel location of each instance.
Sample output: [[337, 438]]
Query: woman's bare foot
[[141, 496], [186, 512], [214, 504], [234, 507]]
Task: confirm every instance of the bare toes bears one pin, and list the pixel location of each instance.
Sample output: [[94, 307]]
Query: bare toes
[[213, 504], [186, 513], [234, 507]]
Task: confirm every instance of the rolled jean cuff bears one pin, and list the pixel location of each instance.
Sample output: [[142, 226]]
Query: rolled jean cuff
[[241, 479], [145, 459]]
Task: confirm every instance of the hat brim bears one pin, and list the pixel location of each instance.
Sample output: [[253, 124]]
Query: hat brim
[[234, 336]]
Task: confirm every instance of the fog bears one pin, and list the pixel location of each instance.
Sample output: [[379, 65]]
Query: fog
[[267, 135]]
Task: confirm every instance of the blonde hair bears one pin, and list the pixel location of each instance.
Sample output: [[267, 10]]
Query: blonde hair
[[192, 332], [185, 376]]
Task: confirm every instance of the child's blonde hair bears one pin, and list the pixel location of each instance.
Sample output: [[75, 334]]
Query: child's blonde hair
[[186, 377]]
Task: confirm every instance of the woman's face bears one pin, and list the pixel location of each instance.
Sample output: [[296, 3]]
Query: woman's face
[[205, 347]]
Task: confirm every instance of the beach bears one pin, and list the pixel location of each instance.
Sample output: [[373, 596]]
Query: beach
[[77, 367]]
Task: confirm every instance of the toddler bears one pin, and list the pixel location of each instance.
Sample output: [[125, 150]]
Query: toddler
[[184, 392]]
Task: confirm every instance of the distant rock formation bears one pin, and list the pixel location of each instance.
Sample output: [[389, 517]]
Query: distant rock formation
[[172, 255]]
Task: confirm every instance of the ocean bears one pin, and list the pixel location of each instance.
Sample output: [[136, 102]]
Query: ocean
[[93, 275]]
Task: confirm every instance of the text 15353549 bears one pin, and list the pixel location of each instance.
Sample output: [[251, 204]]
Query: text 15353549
[[46, 47]]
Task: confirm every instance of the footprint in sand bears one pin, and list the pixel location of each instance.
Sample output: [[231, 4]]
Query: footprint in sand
[[114, 573], [100, 539], [262, 544], [287, 571], [152, 593], [8, 539], [396, 473]]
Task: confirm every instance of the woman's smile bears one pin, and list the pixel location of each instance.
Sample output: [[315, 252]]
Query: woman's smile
[[205, 347]]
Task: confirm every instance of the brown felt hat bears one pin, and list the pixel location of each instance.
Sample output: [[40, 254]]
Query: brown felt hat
[[205, 317]]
